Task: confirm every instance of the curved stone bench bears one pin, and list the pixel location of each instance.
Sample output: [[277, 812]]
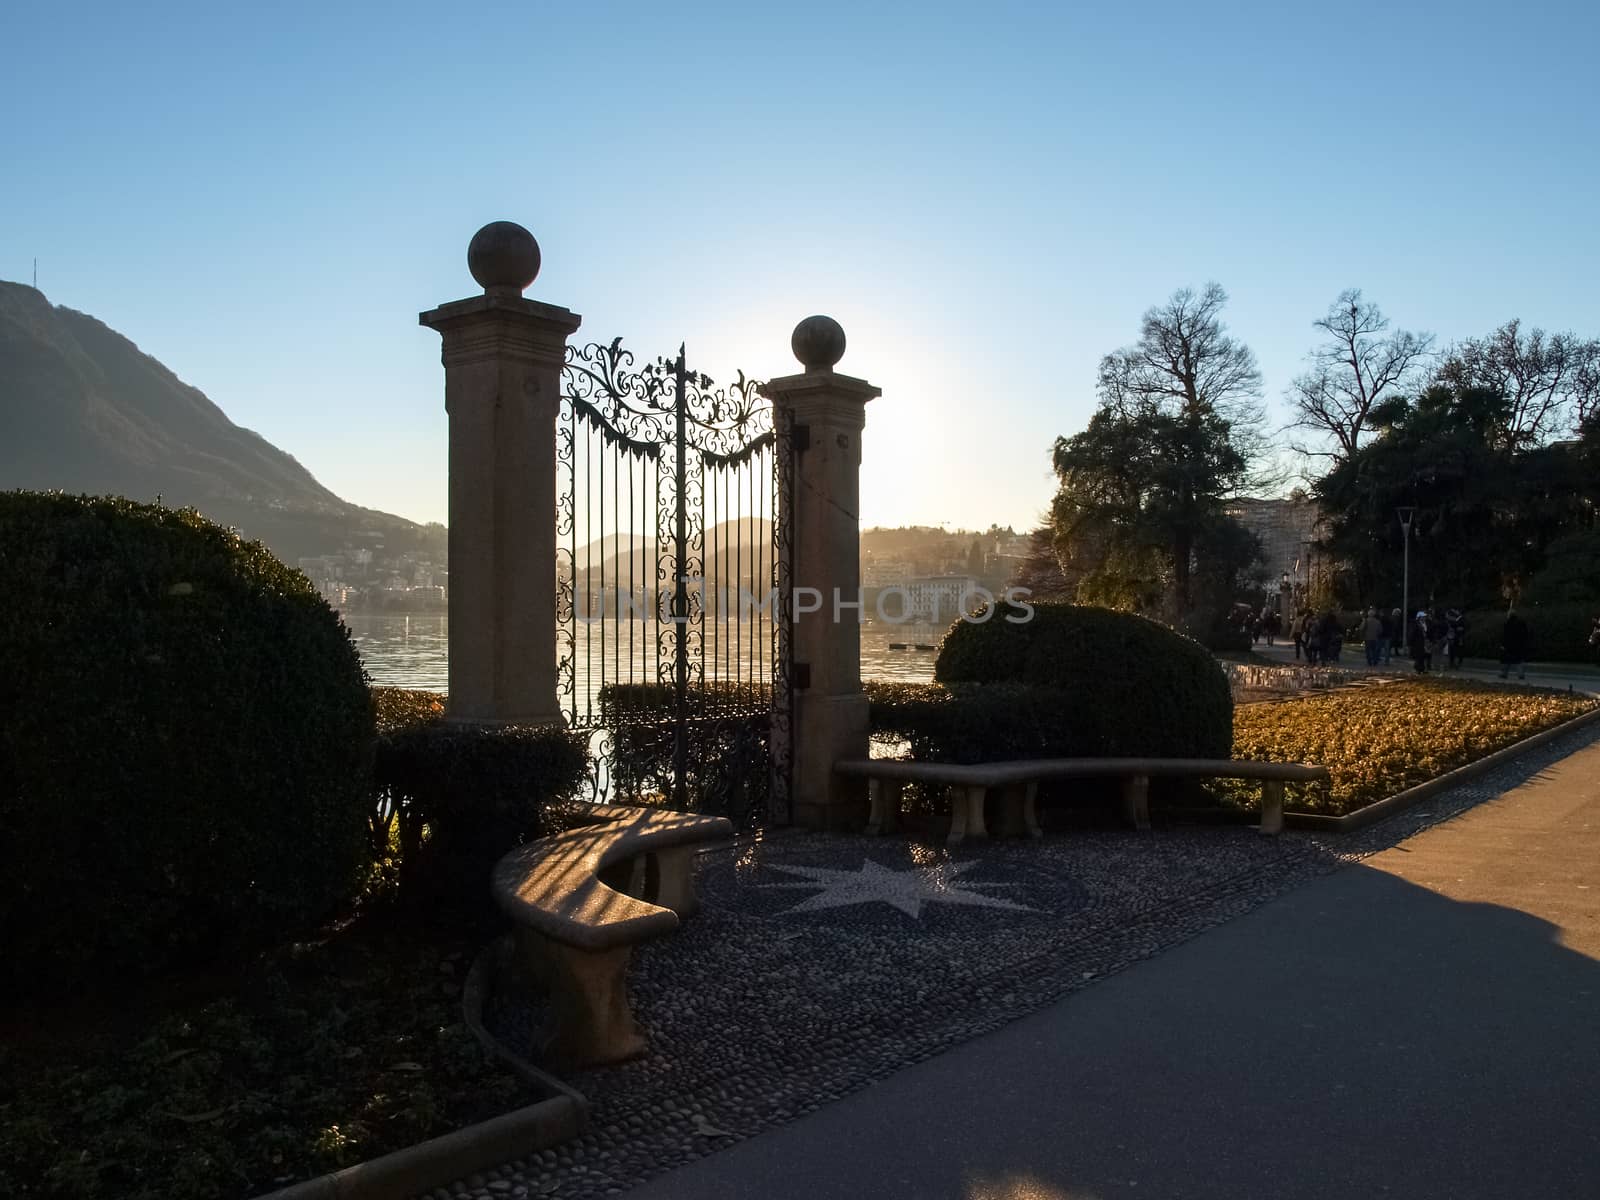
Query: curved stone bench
[[1021, 778], [581, 900]]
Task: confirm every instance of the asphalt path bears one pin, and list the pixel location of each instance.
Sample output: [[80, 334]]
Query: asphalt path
[[1424, 1024]]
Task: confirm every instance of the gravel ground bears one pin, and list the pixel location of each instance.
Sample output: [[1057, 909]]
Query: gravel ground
[[821, 963]]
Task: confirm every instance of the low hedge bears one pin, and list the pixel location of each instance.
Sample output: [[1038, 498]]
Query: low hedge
[[1108, 683], [969, 723], [727, 752], [450, 799], [186, 744], [1378, 741]]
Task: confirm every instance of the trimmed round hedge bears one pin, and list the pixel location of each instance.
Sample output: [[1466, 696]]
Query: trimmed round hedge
[[1115, 684], [185, 759]]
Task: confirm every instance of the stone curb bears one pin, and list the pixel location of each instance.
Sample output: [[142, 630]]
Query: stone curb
[[440, 1161], [1372, 813], [480, 979], [451, 1156]]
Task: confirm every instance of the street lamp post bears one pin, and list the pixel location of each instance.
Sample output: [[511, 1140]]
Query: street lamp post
[[1406, 513]]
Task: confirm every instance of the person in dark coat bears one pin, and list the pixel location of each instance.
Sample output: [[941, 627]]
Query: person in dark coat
[[1330, 637], [1455, 640], [1372, 637], [1437, 628], [1514, 640], [1417, 642], [1395, 632]]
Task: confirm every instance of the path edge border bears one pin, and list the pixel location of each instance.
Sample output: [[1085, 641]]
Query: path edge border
[[451, 1156], [443, 1160], [1373, 813]]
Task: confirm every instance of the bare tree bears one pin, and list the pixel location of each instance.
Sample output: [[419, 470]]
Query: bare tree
[[1361, 365], [1550, 382], [1185, 364]]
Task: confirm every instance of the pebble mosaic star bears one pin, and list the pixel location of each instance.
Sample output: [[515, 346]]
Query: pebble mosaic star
[[906, 890]]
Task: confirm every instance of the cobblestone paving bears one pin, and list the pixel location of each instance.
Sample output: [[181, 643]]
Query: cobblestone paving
[[820, 964]]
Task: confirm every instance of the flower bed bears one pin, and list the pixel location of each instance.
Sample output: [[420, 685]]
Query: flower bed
[[319, 1056], [1378, 741]]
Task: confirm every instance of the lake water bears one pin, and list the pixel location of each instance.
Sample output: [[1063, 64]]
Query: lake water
[[412, 651]]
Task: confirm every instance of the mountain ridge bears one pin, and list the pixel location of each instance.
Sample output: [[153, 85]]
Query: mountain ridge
[[83, 409]]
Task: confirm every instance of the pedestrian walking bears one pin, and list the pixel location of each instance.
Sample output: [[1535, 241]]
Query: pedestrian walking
[[1417, 642], [1455, 638], [1372, 630], [1437, 630], [1395, 632], [1514, 641], [1330, 637]]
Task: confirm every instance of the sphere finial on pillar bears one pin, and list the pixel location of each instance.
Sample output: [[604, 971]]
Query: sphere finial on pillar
[[818, 342], [503, 257]]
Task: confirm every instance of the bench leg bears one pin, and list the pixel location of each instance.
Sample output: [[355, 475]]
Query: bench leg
[[1019, 810], [885, 796], [675, 880], [1272, 806], [966, 814], [1010, 811], [588, 1020], [1136, 800]]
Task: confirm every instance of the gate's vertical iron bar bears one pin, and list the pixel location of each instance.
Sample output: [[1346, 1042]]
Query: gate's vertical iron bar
[[730, 539], [610, 612], [588, 569], [652, 567], [709, 514], [629, 610], [767, 513], [600, 495], [680, 593], [700, 471], [743, 505]]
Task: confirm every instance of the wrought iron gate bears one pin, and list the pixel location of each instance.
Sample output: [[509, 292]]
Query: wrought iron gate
[[673, 584]]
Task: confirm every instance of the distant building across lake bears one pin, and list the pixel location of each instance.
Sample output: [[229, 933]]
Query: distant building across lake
[[1287, 529]]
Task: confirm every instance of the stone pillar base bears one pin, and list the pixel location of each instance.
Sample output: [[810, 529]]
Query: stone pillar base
[[843, 812], [833, 727]]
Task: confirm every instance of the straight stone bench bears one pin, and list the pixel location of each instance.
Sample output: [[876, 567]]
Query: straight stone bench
[[581, 900], [887, 777]]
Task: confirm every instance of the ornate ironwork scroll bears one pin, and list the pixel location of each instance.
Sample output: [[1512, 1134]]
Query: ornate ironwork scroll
[[672, 577]]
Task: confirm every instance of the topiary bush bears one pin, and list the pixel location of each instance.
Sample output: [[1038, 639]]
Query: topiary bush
[[450, 799], [186, 747], [1098, 682]]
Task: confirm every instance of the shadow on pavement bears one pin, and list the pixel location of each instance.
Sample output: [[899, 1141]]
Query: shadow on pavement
[[1361, 1036]]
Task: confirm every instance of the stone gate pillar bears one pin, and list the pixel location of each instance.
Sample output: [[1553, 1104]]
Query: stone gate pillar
[[829, 722], [502, 356]]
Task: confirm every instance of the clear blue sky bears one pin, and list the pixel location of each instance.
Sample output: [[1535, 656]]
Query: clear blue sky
[[986, 196]]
